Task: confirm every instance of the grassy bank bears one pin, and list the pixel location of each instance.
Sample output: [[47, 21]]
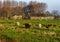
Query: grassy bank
[[33, 34]]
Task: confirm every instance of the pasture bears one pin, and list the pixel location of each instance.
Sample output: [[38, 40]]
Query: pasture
[[11, 32]]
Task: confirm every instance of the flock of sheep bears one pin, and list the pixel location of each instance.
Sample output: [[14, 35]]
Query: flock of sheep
[[28, 25]]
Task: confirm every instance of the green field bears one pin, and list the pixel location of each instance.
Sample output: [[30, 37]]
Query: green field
[[13, 33]]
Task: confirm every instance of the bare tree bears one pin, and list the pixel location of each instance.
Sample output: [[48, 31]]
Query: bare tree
[[55, 13], [0, 4], [22, 4], [12, 7], [38, 8]]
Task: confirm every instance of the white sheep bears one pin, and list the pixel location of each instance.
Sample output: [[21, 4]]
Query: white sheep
[[18, 23], [40, 25]]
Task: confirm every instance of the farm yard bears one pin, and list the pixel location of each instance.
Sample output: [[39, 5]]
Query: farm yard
[[37, 31]]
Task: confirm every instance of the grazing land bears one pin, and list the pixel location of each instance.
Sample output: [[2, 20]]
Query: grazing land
[[11, 32]]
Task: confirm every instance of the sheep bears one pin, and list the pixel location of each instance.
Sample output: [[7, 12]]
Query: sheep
[[54, 25], [16, 24], [44, 25], [27, 25], [47, 25], [40, 25]]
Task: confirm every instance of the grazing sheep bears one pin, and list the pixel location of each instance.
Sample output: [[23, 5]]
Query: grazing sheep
[[40, 25], [54, 25], [16, 24], [45, 25], [48, 25], [27, 25]]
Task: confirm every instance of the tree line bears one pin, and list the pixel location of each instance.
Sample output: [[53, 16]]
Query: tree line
[[33, 8]]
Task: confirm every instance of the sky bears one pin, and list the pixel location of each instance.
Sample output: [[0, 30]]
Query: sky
[[52, 4]]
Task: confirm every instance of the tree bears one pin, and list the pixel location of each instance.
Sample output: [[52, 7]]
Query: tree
[[14, 3], [22, 4], [7, 8], [48, 13], [55, 13], [38, 7], [12, 7], [0, 4]]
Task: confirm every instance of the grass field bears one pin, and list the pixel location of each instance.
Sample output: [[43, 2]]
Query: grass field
[[14, 33]]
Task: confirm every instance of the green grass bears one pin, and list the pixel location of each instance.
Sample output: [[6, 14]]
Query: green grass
[[33, 34]]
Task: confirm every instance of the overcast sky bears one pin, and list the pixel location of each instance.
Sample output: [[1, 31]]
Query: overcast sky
[[52, 4]]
